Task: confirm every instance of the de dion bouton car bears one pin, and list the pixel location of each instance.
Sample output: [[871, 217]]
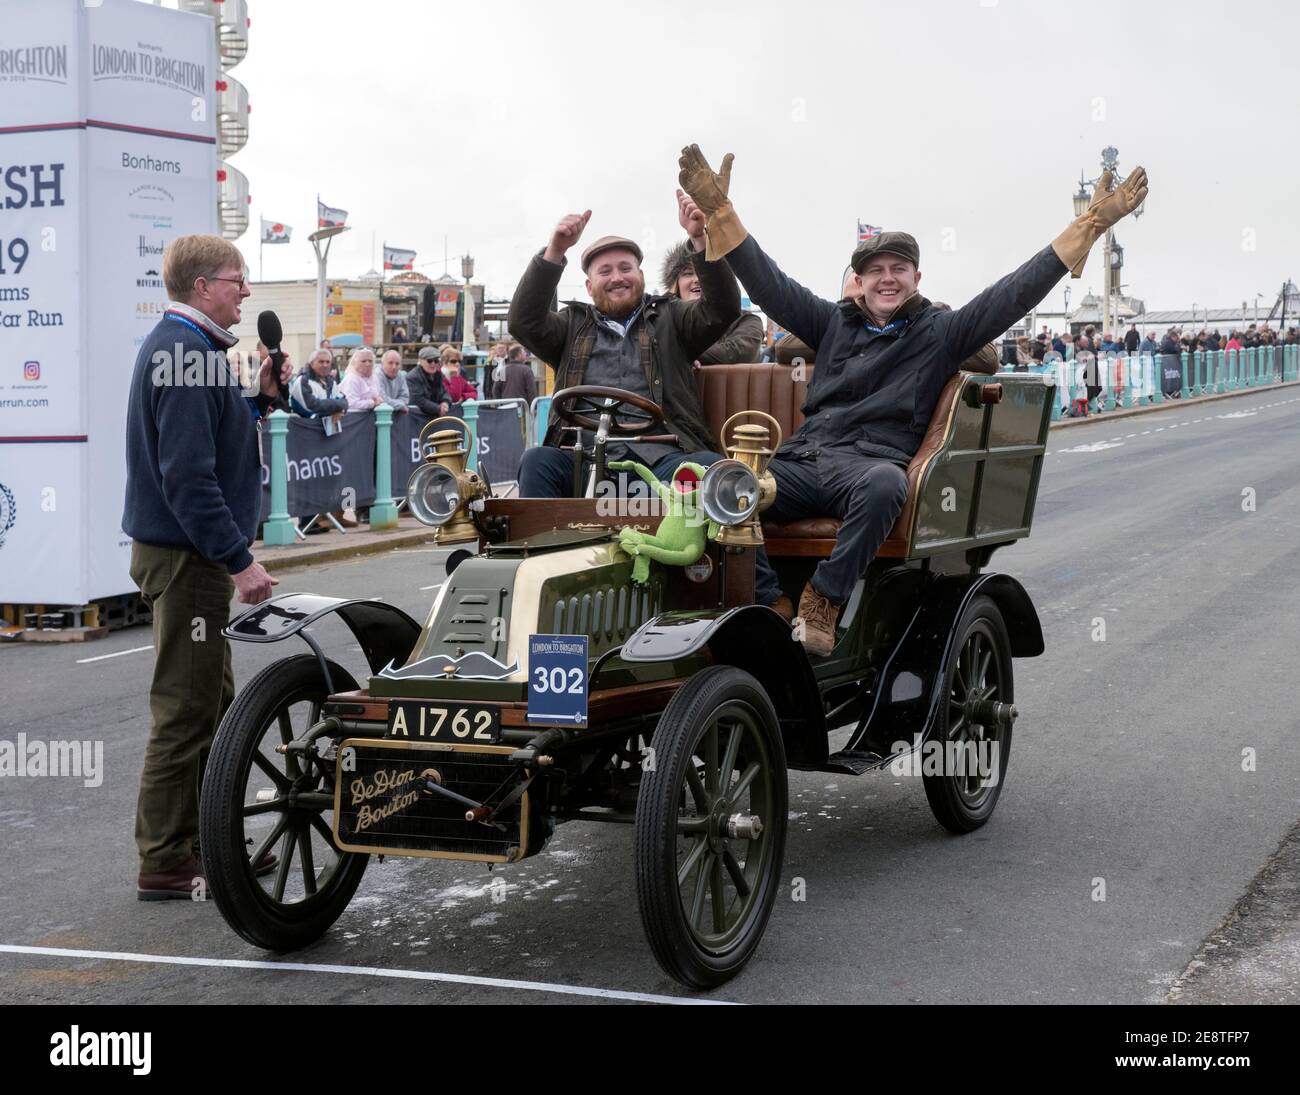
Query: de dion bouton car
[[545, 686]]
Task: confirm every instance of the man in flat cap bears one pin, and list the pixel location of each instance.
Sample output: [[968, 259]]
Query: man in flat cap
[[882, 361], [625, 338]]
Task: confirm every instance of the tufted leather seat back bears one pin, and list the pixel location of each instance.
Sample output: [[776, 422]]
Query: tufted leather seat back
[[726, 389]]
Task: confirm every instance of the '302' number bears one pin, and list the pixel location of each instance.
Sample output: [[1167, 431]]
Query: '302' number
[[558, 681]]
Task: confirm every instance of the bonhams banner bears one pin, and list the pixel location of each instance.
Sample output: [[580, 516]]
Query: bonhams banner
[[325, 474]]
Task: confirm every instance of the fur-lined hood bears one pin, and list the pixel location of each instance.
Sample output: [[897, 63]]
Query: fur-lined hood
[[679, 259]]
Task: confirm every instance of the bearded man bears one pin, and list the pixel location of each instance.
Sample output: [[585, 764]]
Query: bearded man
[[625, 338]]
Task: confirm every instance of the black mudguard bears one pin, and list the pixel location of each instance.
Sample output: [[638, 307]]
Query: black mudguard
[[909, 695], [384, 632], [753, 638]]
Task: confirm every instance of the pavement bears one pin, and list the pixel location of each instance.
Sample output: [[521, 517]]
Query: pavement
[[1144, 848]]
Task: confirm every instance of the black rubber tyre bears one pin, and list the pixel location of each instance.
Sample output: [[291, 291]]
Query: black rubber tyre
[[247, 781], [978, 670], [705, 895]]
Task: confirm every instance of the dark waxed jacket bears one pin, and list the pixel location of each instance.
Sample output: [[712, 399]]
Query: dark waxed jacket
[[875, 393], [428, 392], [739, 345], [680, 331]]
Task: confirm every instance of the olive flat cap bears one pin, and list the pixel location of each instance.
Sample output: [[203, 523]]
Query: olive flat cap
[[902, 244], [608, 243]]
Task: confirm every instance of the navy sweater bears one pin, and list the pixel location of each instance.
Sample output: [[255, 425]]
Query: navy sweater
[[193, 477]]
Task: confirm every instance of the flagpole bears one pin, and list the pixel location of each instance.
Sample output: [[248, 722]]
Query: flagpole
[[261, 242]]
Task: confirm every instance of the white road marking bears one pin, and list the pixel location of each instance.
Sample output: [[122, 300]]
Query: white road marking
[[1096, 446], [102, 657], [360, 971]]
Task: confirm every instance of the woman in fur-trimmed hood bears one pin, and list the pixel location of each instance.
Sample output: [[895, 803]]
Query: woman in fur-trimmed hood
[[744, 338]]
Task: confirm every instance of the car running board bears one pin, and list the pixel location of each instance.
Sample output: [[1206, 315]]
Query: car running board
[[848, 762]]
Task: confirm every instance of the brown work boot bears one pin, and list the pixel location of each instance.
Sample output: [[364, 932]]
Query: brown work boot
[[184, 882], [818, 616], [783, 608]]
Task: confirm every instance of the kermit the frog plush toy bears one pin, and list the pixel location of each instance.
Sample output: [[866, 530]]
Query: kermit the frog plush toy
[[680, 538]]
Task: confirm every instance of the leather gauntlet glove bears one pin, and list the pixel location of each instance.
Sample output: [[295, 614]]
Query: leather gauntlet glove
[[1107, 207], [723, 229]]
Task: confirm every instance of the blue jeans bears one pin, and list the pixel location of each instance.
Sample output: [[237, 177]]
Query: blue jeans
[[546, 472], [865, 492]]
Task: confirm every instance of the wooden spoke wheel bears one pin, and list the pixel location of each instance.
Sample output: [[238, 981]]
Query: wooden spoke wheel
[[265, 818], [977, 745], [710, 827]]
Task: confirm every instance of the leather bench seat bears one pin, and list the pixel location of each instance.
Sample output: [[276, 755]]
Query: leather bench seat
[[727, 389]]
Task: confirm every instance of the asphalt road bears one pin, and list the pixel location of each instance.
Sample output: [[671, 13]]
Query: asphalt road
[[1126, 772]]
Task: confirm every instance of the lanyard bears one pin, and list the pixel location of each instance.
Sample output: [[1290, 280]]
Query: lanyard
[[177, 318], [895, 325]]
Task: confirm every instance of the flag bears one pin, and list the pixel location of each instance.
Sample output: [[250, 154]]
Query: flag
[[327, 217], [867, 231], [275, 232], [398, 258]]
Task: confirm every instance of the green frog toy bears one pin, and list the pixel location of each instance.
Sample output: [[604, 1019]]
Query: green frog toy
[[682, 534]]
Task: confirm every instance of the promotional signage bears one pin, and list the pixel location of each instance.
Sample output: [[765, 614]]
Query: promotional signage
[[500, 433], [557, 679], [108, 139], [325, 474]]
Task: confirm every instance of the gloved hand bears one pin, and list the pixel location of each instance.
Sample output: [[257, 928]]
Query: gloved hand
[[1106, 208], [708, 190]]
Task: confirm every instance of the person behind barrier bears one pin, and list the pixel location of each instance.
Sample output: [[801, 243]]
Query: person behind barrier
[[625, 338], [312, 393], [454, 381], [193, 500], [517, 381], [359, 384], [392, 382], [424, 382], [881, 365]]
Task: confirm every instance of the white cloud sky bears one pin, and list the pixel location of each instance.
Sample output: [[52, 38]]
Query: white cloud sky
[[484, 123]]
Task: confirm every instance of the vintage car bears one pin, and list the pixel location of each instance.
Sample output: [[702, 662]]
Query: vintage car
[[546, 686]]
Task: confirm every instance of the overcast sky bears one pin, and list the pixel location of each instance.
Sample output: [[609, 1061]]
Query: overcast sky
[[965, 122]]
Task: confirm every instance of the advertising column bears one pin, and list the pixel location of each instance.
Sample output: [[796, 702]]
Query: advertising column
[[151, 175], [42, 432], [107, 152]]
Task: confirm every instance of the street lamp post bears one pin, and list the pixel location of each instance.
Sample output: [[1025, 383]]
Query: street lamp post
[[1082, 198], [322, 235], [467, 328]]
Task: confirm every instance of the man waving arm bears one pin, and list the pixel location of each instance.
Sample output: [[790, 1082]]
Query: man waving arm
[[784, 299]]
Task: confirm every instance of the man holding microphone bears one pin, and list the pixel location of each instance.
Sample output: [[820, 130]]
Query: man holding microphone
[[193, 499]]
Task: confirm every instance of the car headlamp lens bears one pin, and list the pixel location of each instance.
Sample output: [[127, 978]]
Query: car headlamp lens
[[433, 494], [729, 492]]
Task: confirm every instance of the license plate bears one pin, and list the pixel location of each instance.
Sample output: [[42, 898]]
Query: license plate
[[468, 724]]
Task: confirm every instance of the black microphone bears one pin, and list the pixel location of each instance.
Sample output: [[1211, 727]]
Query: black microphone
[[272, 334]]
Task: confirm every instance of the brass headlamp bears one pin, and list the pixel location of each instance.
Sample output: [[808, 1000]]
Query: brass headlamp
[[741, 487], [440, 490]]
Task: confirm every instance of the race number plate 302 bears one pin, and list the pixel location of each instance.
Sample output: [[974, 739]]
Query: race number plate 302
[[468, 724]]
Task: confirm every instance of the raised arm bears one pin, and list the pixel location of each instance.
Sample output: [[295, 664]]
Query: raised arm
[[706, 319], [967, 328], [784, 299], [531, 319]]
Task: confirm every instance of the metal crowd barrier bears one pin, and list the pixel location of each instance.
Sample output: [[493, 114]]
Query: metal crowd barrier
[[1137, 380]]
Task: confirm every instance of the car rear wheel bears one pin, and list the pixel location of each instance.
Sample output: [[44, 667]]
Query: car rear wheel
[[976, 734], [257, 802], [710, 827]]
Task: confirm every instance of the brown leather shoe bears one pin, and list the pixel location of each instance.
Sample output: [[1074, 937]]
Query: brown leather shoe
[[818, 616], [783, 608], [184, 882]]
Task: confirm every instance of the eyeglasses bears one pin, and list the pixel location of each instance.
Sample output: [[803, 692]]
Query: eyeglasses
[[241, 282]]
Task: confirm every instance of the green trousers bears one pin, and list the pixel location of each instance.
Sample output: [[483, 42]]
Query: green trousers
[[192, 686]]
